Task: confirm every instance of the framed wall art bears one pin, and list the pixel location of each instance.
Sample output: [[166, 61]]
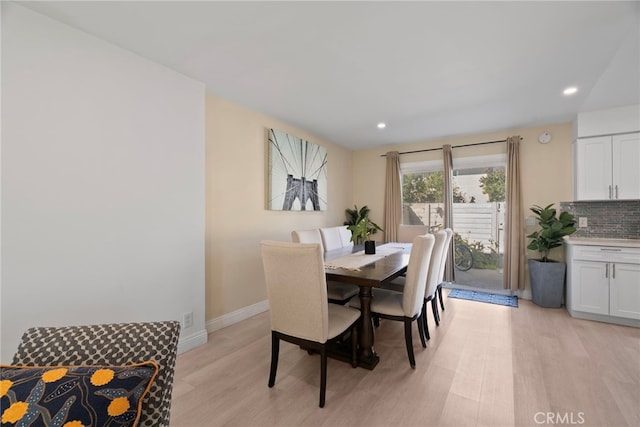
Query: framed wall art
[[297, 173]]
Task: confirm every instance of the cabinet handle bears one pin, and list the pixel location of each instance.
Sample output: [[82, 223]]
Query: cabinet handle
[[616, 191], [611, 249], [606, 271], [613, 271], [610, 192]]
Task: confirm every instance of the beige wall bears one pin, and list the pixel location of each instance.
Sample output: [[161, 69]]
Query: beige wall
[[236, 218], [546, 168]]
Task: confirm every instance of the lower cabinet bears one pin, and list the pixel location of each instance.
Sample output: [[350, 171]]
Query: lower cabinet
[[606, 288], [624, 291], [604, 281]]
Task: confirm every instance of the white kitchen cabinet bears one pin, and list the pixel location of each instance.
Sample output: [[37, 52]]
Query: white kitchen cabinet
[[607, 167], [590, 287], [603, 282], [624, 291]]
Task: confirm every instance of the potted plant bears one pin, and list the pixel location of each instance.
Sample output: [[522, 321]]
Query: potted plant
[[361, 232], [354, 216], [548, 276]]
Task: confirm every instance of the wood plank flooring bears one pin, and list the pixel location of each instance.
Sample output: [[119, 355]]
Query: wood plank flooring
[[486, 365]]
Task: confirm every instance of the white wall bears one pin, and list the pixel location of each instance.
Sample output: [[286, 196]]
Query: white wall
[[102, 183]]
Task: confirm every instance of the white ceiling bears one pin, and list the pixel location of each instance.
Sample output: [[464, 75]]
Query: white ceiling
[[428, 69]]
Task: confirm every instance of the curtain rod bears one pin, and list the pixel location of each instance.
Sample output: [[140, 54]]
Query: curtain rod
[[455, 146]]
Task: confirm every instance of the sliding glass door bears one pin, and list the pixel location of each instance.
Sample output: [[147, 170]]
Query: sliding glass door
[[478, 213], [478, 222]]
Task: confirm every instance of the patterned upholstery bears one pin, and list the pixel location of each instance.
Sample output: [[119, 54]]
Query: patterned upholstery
[[110, 344]]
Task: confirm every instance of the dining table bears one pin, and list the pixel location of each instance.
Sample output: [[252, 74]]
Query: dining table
[[352, 265]]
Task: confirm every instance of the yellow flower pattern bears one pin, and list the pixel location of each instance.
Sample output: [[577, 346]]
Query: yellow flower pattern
[[118, 406], [102, 377], [75, 395], [5, 385], [54, 375], [14, 412]]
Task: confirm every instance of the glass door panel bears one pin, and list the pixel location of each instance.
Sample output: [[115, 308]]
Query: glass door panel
[[478, 221]]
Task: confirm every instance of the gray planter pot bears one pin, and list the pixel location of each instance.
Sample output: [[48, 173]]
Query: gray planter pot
[[547, 282]]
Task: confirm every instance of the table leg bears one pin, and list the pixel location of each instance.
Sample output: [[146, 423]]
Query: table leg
[[367, 357]]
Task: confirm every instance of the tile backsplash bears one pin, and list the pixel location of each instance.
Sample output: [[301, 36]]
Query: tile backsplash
[[619, 219]]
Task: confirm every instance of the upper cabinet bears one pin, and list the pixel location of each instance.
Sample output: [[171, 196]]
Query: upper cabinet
[[607, 154], [608, 167]]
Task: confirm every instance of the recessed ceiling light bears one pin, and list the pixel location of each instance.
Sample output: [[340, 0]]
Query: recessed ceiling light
[[570, 90], [382, 125]]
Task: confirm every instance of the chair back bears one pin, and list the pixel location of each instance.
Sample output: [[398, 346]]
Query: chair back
[[296, 289], [406, 233], [331, 238], [433, 278], [307, 236], [110, 344], [345, 236], [445, 254], [415, 283]]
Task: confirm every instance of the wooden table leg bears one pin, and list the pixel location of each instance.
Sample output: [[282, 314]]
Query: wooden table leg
[[367, 357]]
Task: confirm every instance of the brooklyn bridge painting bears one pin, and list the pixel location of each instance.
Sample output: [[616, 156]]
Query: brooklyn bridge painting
[[297, 174]]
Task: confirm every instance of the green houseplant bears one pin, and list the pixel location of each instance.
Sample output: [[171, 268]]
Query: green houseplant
[[355, 217], [548, 276], [361, 232]]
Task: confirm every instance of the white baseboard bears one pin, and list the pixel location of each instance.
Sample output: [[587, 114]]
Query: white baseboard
[[236, 316], [192, 341]]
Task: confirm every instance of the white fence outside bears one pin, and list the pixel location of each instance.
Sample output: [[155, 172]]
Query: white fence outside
[[476, 222]]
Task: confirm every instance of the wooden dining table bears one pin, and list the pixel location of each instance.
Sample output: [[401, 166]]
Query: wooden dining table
[[368, 276]]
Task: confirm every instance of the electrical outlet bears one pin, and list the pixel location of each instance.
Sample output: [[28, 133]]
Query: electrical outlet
[[582, 222], [187, 320]]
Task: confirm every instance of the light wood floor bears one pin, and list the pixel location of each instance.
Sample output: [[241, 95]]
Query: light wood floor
[[486, 365]]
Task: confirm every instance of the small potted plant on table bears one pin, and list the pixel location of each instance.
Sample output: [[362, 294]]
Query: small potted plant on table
[[548, 276], [361, 232]]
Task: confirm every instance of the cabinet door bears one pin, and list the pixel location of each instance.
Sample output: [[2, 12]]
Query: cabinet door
[[590, 284], [593, 168], [626, 166], [625, 290]]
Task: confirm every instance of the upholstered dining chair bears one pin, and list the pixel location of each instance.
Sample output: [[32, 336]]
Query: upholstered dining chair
[[110, 345], [345, 236], [443, 264], [406, 306], [332, 237], [337, 293], [433, 279], [300, 313]]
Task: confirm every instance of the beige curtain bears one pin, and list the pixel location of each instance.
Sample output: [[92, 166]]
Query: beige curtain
[[449, 275], [392, 198], [514, 254]]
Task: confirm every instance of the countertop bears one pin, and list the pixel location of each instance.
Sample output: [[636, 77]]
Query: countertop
[[593, 241]]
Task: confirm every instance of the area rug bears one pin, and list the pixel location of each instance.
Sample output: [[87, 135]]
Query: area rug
[[484, 297]]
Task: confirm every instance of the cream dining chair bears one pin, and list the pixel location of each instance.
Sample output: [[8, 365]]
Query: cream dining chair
[[331, 238], [300, 313], [433, 278], [443, 264], [406, 306], [337, 293]]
